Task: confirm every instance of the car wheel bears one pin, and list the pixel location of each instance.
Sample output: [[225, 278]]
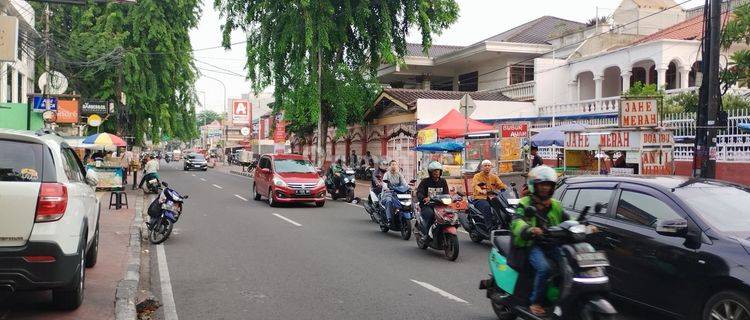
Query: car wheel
[[185, 168], [71, 296], [205, 169], [257, 194], [271, 201], [727, 305], [93, 253], [320, 204]]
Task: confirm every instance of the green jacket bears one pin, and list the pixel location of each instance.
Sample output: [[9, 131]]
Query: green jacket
[[521, 224]]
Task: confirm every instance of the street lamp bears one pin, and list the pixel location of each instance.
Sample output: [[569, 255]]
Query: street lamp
[[226, 133]]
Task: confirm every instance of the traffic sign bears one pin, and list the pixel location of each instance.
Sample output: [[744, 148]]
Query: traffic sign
[[40, 104], [245, 131], [467, 105]]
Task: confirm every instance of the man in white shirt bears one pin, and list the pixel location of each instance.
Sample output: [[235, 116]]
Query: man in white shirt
[[151, 168], [125, 160]]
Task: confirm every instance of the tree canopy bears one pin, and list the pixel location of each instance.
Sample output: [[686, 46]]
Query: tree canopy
[[140, 49], [352, 38], [206, 117]]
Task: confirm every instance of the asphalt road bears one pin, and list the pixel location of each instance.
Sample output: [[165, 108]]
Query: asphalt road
[[234, 258]]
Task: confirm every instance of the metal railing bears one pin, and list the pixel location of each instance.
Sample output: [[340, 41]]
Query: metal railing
[[593, 106], [520, 91]]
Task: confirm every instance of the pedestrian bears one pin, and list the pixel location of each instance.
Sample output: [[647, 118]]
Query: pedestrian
[[536, 160], [353, 159], [126, 158]]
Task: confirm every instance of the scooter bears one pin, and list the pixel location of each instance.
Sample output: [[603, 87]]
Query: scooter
[[152, 185], [168, 158], [575, 291], [402, 215], [473, 220], [345, 189], [444, 230], [164, 212]]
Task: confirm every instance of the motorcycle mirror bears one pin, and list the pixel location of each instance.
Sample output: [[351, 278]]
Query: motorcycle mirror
[[481, 184], [584, 212], [164, 183], [185, 196], [598, 207], [413, 181], [512, 184]]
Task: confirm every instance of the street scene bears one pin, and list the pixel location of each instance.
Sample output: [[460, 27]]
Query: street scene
[[336, 159]]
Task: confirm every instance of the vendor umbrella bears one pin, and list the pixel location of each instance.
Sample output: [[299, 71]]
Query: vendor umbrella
[[447, 146], [104, 139], [554, 136]]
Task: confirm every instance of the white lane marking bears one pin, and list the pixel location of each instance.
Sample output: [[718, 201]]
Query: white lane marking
[[218, 187], [287, 219], [439, 291], [193, 174], [240, 197], [202, 179], [167, 297]]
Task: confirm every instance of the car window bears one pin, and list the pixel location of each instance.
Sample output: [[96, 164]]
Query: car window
[[569, 199], [265, 163], [71, 166], [293, 165], [590, 197], [25, 162], [643, 209]]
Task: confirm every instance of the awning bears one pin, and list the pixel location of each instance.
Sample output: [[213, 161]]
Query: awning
[[447, 146], [453, 125]]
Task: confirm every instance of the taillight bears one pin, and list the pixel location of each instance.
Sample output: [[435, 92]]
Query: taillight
[[51, 203]]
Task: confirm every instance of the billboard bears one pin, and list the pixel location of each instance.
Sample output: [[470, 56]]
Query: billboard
[[67, 111], [638, 113], [241, 112]]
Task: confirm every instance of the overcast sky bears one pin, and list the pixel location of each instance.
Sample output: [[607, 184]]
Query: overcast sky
[[479, 19]]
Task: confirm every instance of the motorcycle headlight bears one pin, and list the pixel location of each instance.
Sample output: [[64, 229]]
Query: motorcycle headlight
[[278, 182]]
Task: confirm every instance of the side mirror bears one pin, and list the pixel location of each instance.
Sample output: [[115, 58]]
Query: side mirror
[[598, 207], [164, 183], [672, 227], [265, 170], [584, 213], [513, 184], [92, 181]]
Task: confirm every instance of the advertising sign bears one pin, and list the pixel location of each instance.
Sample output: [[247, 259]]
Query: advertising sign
[[40, 104], [8, 38], [617, 140], [519, 130], [94, 107], [638, 113], [241, 111], [67, 111], [279, 136], [656, 162], [94, 120], [656, 139], [427, 136]]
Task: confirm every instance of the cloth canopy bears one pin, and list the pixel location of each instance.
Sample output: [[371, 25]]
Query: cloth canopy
[[554, 136], [104, 139], [448, 146], [453, 125]]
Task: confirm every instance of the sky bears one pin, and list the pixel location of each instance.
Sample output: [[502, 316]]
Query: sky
[[479, 19]]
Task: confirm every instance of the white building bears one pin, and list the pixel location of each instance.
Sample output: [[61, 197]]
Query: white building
[[17, 77]]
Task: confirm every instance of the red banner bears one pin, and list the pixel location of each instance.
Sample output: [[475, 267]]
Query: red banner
[[520, 130], [279, 135]]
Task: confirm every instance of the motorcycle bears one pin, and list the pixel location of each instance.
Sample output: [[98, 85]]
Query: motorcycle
[[502, 214], [444, 230], [164, 212], [168, 158], [402, 215], [576, 290], [363, 172], [152, 185], [345, 189]]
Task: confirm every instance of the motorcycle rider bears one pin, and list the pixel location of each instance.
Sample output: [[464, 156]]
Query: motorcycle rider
[[429, 187], [529, 226], [377, 177], [150, 170], [395, 179], [491, 183], [337, 171]]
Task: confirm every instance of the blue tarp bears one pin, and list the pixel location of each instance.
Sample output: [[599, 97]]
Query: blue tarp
[[555, 135], [744, 126], [448, 146]]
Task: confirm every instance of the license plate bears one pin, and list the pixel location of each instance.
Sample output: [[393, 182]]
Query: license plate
[[302, 192], [592, 259]]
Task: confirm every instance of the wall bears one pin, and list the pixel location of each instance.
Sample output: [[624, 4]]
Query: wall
[[551, 77], [491, 80], [23, 67], [611, 85], [13, 116], [653, 19]]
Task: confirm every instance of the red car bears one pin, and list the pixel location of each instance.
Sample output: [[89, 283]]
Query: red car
[[288, 178]]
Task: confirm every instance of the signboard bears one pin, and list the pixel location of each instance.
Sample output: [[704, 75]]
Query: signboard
[[632, 157], [8, 38], [245, 131], [94, 107], [656, 139], [520, 130], [616, 140], [241, 111], [638, 113], [279, 136], [94, 120], [656, 162], [510, 149], [67, 111], [479, 149], [40, 104], [427, 136]]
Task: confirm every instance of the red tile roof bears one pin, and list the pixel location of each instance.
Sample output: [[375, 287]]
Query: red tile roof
[[690, 29]]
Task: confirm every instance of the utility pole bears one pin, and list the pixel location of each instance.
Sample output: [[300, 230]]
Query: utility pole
[[704, 161]]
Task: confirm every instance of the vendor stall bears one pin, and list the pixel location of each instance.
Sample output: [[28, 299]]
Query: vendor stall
[[448, 153], [107, 171]]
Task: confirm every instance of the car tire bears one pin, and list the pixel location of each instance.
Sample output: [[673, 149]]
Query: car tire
[[93, 253], [256, 196], [185, 168], [271, 201], [719, 301], [320, 204], [206, 169], [70, 297]]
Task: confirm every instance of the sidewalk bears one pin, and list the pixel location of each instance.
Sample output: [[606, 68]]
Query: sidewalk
[[101, 280]]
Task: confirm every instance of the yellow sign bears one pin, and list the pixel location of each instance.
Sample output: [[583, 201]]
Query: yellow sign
[[506, 167], [427, 136], [510, 149], [94, 120]]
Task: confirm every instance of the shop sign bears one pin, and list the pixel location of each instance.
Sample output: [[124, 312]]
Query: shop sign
[[241, 113], [577, 141], [658, 138], [617, 140], [95, 107], [41, 104], [638, 113], [519, 130], [427, 136], [279, 136], [656, 162], [67, 111]]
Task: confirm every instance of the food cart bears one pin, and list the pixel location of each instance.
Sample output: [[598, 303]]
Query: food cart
[[108, 172], [448, 153]]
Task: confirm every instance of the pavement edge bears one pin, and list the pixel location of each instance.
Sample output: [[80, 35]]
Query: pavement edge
[[127, 288], [244, 174]]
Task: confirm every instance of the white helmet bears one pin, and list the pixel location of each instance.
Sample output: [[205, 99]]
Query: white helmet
[[435, 166], [541, 174]]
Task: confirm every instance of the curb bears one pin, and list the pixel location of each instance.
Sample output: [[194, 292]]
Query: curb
[[244, 174], [127, 288]]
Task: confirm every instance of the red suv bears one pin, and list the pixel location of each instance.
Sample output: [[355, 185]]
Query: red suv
[[288, 178]]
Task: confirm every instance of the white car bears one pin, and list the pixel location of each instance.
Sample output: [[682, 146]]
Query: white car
[[49, 217]]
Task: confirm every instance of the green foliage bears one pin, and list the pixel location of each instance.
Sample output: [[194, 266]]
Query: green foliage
[[734, 102], [681, 102], [737, 31], [141, 49], [638, 89], [351, 38], [206, 117]]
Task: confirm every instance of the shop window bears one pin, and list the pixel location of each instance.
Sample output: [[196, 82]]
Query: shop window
[[468, 81], [521, 73]]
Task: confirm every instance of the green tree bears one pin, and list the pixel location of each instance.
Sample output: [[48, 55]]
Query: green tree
[[737, 31], [286, 40], [142, 50], [206, 117]]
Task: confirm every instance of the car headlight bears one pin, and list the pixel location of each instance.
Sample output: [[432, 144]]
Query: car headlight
[[320, 183], [278, 182]]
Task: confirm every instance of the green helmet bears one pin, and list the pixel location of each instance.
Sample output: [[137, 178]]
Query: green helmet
[[434, 166], [541, 174]]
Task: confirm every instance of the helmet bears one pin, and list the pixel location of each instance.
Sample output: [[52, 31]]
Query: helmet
[[434, 166], [383, 165], [541, 174]]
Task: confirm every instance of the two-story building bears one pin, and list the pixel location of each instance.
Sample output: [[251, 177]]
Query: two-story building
[[17, 76]]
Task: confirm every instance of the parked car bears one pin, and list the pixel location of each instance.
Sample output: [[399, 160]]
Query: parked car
[[288, 178], [195, 161], [49, 226], [677, 245]]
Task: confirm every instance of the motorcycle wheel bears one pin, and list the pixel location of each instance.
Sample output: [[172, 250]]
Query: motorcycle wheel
[[160, 231], [451, 247], [383, 228], [405, 229], [503, 312], [418, 235], [476, 238], [350, 195]]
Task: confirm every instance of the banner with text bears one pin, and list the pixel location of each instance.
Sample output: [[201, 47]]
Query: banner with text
[[241, 111], [637, 113]]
